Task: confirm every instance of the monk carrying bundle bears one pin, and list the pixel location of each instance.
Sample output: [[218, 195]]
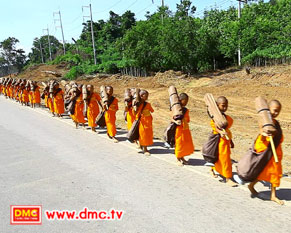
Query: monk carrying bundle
[[110, 106], [178, 132], [263, 160], [216, 150]]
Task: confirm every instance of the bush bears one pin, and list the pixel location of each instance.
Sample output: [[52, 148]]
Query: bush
[[72, 59], [74, 72], [77, 71]]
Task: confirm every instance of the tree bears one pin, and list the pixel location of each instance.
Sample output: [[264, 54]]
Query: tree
[[35, 55], [10, 55]]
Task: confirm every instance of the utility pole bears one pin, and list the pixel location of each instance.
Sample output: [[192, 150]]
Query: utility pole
[[239, 15], [49, 42], [40, 48], [61, 26], [92, 32], [163, 5]]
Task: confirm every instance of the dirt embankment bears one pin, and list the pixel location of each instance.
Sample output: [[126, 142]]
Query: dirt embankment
[[240, 88]]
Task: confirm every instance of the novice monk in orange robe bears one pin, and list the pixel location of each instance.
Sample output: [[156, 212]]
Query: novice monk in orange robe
[[130, 117], [25, 97], [93, 107], [78, 116], [51, 104], [30, 97], [273, 171], [46, 100], [10, 91], [223, 165], [110, 114], [183, 139], [146, 122], [36, 96], [58, 101]]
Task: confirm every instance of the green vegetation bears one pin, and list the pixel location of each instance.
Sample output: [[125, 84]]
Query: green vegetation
[[181, 41]]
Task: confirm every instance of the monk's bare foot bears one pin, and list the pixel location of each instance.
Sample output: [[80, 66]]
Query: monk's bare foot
[[115, 140], [213, 173], [231, 183], [252, 189], [277, 200], [76, 125], [138, 145], [185, 162], [93, 129], [147, 153], [180, 163]]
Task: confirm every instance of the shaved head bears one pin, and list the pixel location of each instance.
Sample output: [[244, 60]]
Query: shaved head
[[183, 96], [221, 99], [142, 92], [275, 103], [275, 108], [222, 103]]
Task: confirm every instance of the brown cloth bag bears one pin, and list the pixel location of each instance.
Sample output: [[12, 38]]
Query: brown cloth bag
[[169, 134], [252, 164], [133, 133], [210, 148], [170, 131], [100, 119]]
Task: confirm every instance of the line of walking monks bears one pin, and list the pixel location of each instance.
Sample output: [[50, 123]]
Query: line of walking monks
[[83, 105]]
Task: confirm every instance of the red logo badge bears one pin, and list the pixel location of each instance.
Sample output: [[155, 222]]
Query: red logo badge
[[25, 215]]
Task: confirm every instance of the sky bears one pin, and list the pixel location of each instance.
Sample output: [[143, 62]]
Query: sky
[[26, 19]]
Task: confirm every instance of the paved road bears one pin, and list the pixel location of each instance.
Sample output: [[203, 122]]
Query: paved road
[[46, 161]]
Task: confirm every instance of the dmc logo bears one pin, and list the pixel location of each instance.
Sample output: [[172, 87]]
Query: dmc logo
[[25, 214]]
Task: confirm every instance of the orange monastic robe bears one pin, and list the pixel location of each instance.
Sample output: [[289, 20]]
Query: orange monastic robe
[[19, 96], [30, 96], [183, 139], [93, 109], [146, 134], [13, 92], [10, 91], [130, 117], [79, 107], [25, 97], [223, 166], [36, 96], [50, 104], [46, 100], [273, 171], [15, 89], [59, 106], [110, 118]]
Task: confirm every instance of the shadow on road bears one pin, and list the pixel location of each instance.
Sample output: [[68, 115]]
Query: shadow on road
[[196, 162], [283, 194], [160, 151]]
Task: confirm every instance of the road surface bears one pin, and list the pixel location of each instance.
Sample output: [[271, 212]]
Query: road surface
[[45, 161]]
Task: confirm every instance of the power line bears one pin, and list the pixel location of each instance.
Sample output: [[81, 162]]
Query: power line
[[74, 20], [115, 4], [216, 6], [130, 5], [143, 9]]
